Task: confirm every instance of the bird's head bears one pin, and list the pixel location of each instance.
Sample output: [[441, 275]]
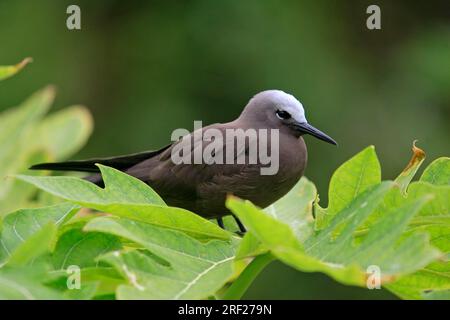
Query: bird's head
[[276, 109]]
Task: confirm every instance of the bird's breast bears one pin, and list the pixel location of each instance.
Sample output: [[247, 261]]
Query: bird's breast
[[265, 189], [292, 164]]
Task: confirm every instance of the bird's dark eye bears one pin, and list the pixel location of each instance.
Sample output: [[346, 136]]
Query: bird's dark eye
[[283, 114]]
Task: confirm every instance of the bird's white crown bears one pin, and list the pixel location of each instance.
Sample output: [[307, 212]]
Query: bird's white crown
[[289, 103]]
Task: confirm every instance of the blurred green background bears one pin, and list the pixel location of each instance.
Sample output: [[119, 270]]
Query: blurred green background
[[145, 68]]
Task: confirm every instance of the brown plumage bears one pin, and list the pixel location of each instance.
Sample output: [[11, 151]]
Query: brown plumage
[[202, 188]]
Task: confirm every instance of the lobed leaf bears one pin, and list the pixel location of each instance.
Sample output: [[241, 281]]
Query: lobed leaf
[[179, 267], [351, 179], [126, 196], [333, 249], [433, 218]]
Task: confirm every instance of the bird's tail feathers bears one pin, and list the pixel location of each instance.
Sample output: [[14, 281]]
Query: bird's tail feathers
[[120, 162]]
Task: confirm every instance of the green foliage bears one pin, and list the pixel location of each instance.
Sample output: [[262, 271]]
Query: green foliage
[[128, 244], [402, 228], [432, 281], [333, 250], [438, 172], [75, 247], [353, 178], [126, 197], [158, 253], [27, 137], [175, 266], [25, 284], [140, 216], [22, 224], [295, 209]]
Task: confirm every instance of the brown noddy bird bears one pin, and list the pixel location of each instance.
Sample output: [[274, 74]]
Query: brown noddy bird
[[202, 188]]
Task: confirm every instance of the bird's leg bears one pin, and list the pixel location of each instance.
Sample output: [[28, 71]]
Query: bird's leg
[[220, 223], [240, 225]]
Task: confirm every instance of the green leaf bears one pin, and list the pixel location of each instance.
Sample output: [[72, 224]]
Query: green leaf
[[295, 208], [79, 248], [179, 267], [21, 194], [435, 276], [95, 281], [333, 250], [106, 278], [351, 179], [36, 245], [396, 197], [15, 126], [438, 172], [433, 218], [22, 224], [87, 291], [26, 140], [9, 71], [25, 284], [250, 246], [120, 188], [64, 132], [438, 209], [437, 295], [128, 197], [282, 242]]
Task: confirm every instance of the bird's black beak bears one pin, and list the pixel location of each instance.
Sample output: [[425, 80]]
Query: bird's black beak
[[306, 128]]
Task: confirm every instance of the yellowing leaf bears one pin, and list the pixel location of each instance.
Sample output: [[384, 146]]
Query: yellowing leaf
[[409, 172], [9, 71]]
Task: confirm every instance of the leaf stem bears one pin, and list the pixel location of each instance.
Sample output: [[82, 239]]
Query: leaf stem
[[245, 279]]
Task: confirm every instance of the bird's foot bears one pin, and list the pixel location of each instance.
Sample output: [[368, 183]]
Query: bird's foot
[[220, 223], [240, 225], [242, 229]]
